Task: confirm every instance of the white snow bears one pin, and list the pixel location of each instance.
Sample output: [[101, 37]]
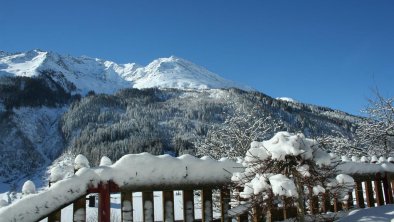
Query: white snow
[[108, 77], [280, 146], [80, 162], [318, 190], [283, 186], [105, 161], [287, 99], [375, 214], [28, 188], [132, 170], [56, 174], [284, 144]]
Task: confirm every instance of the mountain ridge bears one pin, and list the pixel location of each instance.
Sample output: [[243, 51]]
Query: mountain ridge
[[103, 76]]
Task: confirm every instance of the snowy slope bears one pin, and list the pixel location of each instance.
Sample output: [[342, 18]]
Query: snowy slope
[[108, 77]]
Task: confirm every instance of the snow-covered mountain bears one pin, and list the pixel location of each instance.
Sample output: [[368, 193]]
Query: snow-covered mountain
[[86, 74], [42, 116]]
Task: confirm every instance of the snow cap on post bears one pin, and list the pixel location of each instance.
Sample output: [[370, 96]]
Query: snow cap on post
[[80, 162], [374, 159], [390, 160], [105, 161], [382, 159], [28, 188], [56, 174], [345, 159], [364, 159]]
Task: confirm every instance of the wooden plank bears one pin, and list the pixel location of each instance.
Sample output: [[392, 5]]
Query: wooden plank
[[348, 204], [168, 206], [79, 209], [378, 190], [148, 206], [359, 194], [326, 205], [336, 203], [388, 194], [56, 216], [313, 202], [257, 214], [225, 204], [243, 217], [126, 206], [369, 193], [104, 204], [188, 205], [207, 208]]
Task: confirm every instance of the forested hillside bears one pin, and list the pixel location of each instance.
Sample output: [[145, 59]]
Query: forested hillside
[[174, 121]]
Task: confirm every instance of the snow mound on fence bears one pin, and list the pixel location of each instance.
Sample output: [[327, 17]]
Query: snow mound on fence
[[129, 171]]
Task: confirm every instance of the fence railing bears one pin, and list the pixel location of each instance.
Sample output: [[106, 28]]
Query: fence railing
[[374, 184]]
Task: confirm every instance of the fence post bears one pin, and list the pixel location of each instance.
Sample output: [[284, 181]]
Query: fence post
[[126, 206], [326, 205], [188, 205], [55, 216], [207, 211], [148, 206], [349, 202], [378, 190], [79, 209], [336, 204], [369, 193], [225, 204], [359, 194], [257, 214], [243, 217], [104, 205], [168, 206], [313, 202], [388, 194]]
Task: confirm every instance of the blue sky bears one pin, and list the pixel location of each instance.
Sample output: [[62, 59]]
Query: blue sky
[[328, 53]]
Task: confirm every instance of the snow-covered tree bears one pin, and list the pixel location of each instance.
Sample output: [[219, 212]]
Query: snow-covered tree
[[283, 168], [232, 138], [376, 133]]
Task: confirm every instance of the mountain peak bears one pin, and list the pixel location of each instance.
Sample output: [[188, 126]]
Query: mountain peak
[[103, 76]]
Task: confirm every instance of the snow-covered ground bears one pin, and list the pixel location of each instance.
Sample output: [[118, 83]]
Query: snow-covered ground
[[373, 214]]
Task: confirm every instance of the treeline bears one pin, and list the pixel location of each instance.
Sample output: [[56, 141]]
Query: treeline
[[25, 91], [172, 121]]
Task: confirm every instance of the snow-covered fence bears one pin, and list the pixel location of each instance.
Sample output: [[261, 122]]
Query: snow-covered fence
[[132, 173], [374, 186]]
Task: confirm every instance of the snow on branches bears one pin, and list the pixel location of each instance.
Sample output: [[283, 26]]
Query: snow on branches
[[285, 167], [375, 134]]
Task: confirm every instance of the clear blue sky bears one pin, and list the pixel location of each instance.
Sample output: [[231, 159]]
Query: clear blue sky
[[329, 53]]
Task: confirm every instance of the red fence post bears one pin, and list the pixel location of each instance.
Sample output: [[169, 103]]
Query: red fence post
[[359, 194], [378, 190], [369, 193], [104, 205], [388, 194]]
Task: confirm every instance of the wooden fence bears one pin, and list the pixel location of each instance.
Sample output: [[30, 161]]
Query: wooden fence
[[371, 189]]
